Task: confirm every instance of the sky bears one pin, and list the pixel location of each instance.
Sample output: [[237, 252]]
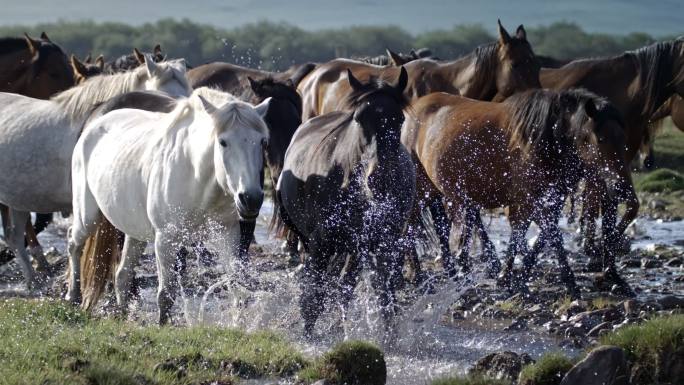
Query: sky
[[656, 17]]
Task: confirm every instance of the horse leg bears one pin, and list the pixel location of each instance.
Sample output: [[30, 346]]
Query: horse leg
[[611, 239], [443, 229], [313, 284], [566, 275], [292, 248], [488, 248], [132, 250], [34, 248], [413, 229], [15, 240], [519, 225], [387, 281], [466, 237], [590, 212], [165, 247], [350, 278]]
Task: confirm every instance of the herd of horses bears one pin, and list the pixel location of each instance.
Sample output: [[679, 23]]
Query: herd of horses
[[144, 149]]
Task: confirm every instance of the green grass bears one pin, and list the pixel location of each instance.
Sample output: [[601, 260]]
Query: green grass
[[661, 180], [602, 303], [50, 342], [469, 381], [548, 370], [669, 148], [349, 363], [653, 345]]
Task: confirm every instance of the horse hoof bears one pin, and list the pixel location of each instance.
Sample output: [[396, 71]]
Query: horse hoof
[[73, 298], [619, 285]]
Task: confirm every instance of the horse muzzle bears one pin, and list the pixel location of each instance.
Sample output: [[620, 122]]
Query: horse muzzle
[[249, 203]]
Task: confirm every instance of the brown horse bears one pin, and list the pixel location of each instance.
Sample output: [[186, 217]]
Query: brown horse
[[524, 153], [85, 69], [637, 83], [36, 68], [674, 108], [492, 72]]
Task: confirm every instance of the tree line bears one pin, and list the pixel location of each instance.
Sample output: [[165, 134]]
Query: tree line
[[276, 46]]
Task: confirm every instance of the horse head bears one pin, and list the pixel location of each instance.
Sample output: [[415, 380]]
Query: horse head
[[240, 135], [517, 68], [168, 77]]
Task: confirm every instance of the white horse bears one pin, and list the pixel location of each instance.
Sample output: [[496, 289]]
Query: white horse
[[167, 177], [37, 138]]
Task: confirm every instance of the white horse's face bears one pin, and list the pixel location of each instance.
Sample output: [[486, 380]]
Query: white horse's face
[[238, 159], [168, 77]]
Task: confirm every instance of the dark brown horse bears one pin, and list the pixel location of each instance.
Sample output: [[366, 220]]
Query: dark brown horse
[[396, 59], [525, 153], [637, 83], [347, 189], [492, 72], [128, 62], [37, 68], [85, 69]]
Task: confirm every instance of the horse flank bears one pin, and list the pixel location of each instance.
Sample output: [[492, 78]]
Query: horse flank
[[79, 101]]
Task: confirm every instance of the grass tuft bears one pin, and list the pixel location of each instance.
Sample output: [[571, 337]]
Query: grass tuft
[[548, 370], [656, 347], [51, 342], [476, 380], [349, 363], [662, 180]]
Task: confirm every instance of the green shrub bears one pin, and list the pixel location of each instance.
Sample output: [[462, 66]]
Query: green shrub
[[349, 363], [661, 180], [469, 381]]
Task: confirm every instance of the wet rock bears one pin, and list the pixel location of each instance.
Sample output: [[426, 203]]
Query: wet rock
[[588, 319], [605, 365], [574, 331], [517, 324], [630, 306], [657, 204], [239, 368], [631, 263], [573, 343], [648, 263], [501, 365], [6, 254], [674, 262], [595, 332], [669, 302], [321, 382]]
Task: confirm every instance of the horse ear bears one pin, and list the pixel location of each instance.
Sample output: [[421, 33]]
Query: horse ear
[[403, 80], [504, 37], [79, 68], [262, 108], [138, 56], [590, 109], [88, 58], [394, 58], [353, 82], [150, 65], [254, 85], [414, 55], [157, 51], [290, 83], [33, 45], [99, 61], [45, 37], [520, 33], [208, 107]]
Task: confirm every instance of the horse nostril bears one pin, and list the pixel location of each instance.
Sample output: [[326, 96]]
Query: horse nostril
[[252, 200]]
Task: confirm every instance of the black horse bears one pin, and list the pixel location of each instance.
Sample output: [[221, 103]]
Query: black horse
[[346, 190]]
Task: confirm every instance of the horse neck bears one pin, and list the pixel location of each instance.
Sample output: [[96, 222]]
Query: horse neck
[[13, 77], [468, 80]]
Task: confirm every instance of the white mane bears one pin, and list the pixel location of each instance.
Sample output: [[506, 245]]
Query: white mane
[[78, 102], [231, 112]]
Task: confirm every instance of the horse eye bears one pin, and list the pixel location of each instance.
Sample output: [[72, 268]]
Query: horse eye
[[264, 142], [222, 143]]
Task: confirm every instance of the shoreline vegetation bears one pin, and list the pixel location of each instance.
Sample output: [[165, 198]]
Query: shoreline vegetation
[[51, 342], [278, 45]]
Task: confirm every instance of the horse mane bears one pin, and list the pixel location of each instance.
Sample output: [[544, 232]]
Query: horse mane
[[537, 121], [12, 44], [230, 110], [80, 100], [655, 65]]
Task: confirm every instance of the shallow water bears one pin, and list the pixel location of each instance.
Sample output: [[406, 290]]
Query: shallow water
[[426, 346]]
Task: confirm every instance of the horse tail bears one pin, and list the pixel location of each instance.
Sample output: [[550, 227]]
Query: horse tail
[[277, 225], [101, 255]]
